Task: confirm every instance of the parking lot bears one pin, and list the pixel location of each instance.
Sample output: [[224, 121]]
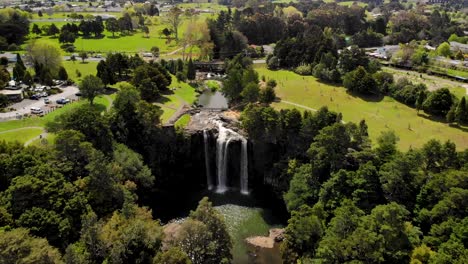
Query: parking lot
[[24, 107]]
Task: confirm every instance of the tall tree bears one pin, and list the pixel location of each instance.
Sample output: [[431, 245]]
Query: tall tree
[[174, 19], [112, 25], [190, 70], [91, 86], [461, 112]]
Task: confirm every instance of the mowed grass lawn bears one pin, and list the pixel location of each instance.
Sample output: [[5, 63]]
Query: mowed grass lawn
[[383, 115], [21, 135], [169, 103], [87, 68], [133, 43]]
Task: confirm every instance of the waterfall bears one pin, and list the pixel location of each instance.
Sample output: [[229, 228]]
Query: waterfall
[[225, 136], [221, 161], [209, 180], [244, 177]]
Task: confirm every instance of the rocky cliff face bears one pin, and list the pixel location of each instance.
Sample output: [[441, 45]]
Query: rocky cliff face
[[261, 156]]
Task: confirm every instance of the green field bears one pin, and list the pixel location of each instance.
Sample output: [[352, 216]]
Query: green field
[[383, 115], [87, 68], [183, 94], [133, 43], [183, 121], [20, 135]]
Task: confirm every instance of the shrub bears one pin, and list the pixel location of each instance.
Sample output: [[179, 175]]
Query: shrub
[[303, 70]]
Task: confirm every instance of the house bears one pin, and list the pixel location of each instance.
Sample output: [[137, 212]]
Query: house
[[13, 95]]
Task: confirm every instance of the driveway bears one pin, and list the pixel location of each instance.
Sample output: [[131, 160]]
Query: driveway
[[24, 107]]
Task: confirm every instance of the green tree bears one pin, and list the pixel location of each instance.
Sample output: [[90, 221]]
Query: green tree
[[44, 56], [333, 247], [172, 256], [303, 189], [438, 102], [360, 81], [17, 246], [220, 244], [302, 235], [36, 30], [18, 72], [267, 95], [83, 55], [53, 30], [174, 19], [105, 73], [112, 25], [400, 179], [62, 74], [329, 150], [461, 112], [190, 70], [88, 120], [387, 145], [420, 100], [27, 79], [250, 93], [91, 86], [444, 50]]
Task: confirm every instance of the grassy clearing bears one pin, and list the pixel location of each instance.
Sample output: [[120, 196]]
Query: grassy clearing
[[48, 140], [383, 115], [133, 43], [167, 114], [183, 94], [87, 68], [21, 136], [183, 121]]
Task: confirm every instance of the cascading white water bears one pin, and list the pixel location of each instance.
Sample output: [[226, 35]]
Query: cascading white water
[[209, 180], [244, 170], [225, 136], [221, 161]]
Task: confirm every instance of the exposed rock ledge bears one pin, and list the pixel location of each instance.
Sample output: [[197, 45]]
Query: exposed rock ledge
[[276, 235]]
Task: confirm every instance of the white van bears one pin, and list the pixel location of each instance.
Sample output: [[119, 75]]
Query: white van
[[36, 110]]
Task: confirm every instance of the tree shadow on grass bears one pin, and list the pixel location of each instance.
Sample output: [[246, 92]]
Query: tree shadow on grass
[[162, 100], [375, 98], [442, 120], [113, 37], [99, 107], [110, 90]]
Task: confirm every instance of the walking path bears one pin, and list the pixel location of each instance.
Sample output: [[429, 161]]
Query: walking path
[[21, 128], [41, 136], [298, 105]]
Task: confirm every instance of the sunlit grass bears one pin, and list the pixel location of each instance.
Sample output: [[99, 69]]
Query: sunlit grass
[[387, 114]]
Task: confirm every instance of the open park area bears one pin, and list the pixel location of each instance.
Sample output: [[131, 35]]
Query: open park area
[[306, 93]]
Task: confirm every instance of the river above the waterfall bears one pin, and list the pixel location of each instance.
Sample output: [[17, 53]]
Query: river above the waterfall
[[210, 99]]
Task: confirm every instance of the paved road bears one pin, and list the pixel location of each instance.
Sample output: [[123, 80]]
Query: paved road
[[24, 107]]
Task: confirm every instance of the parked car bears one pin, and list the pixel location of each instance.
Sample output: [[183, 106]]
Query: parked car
[[63, 101], [78, 94], [44, 94], [35, 97], [37, 111], [46, 101]]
